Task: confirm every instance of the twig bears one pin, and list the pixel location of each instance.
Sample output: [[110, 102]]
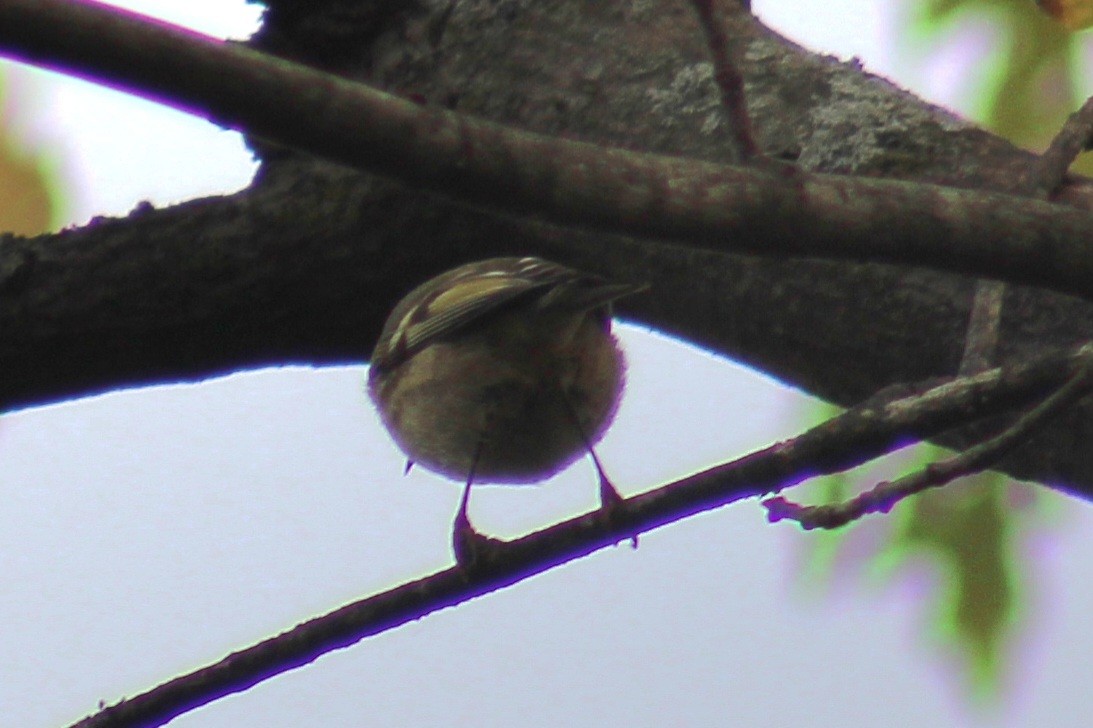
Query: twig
[[726, 58], [881, 424], [984, 326], [884, 496], [1076, 135]]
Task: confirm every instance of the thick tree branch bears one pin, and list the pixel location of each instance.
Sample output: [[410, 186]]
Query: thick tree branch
[[723, 208], [303, 267], [884, 423]]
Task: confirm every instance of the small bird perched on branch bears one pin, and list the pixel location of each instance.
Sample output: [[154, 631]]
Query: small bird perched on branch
[[500, 371]]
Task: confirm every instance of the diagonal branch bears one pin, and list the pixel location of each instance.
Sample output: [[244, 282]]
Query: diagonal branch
[[883, 423], [726, 58], [884, 496], [1076, 135], [726, 208]]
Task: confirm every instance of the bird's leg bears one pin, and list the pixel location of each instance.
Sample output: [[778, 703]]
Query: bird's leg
[[609, 495], [471, 548], [462, 522], [610, 499]]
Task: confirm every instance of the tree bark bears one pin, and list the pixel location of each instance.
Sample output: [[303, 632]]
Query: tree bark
[[303, 266]]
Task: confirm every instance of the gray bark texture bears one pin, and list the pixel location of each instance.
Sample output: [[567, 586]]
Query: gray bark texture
[[303, 266]]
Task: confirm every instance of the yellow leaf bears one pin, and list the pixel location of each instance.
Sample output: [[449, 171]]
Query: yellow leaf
[[1074, 14], [26, 200]]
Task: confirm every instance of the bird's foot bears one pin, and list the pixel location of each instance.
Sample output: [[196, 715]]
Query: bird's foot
[[472, 549], [610, 503]]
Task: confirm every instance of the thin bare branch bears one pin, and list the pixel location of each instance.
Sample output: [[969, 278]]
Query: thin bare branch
[[725, 208], [1075, 136], [884, 496], [984, 323], [885, 422], [726, 57]]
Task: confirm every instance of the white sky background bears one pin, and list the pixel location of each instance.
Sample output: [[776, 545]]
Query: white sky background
[[148, 532]]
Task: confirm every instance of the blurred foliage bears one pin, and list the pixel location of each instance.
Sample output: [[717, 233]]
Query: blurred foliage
[[968, 532], [1035, 68], [971, 532], [28, 200]]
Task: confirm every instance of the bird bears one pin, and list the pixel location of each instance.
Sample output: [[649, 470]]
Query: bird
[[503, 370]]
